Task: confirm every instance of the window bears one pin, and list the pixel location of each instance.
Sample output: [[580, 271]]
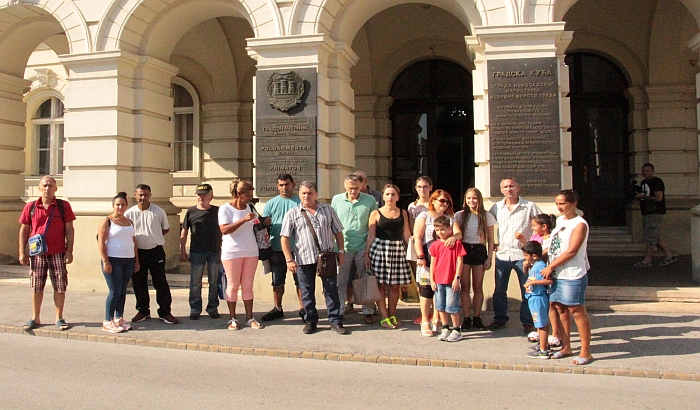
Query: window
[[186, 128], [48, 138]]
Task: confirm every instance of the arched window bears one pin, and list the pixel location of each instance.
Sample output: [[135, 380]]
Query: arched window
[[48, 138], [186, 128]]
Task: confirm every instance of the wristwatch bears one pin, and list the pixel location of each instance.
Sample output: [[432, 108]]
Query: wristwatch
[[458, 277]]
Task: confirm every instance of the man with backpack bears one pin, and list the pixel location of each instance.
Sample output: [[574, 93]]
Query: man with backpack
[[47, 225]]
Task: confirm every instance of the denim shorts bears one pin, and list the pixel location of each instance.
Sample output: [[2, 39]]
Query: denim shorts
[[447, 300], [569, 292]]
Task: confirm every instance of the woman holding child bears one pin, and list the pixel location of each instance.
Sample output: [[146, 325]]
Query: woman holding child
[[385, 252], [568, 264]]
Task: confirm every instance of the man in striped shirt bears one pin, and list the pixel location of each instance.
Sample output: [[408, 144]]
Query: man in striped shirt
[[513, 214], [325, 222]]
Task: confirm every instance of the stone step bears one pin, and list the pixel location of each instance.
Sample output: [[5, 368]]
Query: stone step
[[616, 249]]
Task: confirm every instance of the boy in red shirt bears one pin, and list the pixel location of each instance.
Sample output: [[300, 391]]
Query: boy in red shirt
[[445, 263]]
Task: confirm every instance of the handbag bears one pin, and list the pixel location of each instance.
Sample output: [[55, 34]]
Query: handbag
[[221, 286], [411, 250], [366, 290], [37, 243], [327, 262], [262, 237]]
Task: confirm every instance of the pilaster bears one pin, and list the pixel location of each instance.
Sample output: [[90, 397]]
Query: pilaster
[[335, 123], [118, 133], [524, 41], [12, 133]]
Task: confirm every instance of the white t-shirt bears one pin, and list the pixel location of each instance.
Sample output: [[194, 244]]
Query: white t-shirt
[[471, 236], [429, 228], [241, 242], [576, 267], [149, 225]]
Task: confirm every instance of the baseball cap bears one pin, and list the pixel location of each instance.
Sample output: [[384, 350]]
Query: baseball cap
[[204, 189]]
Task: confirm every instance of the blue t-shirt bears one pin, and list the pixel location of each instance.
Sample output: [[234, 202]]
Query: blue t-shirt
[[535, 273], [276, 208]]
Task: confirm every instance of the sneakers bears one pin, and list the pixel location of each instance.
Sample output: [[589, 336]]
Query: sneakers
[[274, 313], [140, 317], [466, 324], [538, 354], [444, 334], [123, 323], [478, 325], [215, 315], [455, 336], [169, 319], [111, 327], [668, 261]]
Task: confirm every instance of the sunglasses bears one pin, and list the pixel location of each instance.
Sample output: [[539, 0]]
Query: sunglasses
[[443, 201]]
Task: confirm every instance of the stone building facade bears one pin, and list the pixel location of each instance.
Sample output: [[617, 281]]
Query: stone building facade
[[105, 94]]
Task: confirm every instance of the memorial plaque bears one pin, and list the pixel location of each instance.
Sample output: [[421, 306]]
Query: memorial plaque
[[524, 125], [285, 127]]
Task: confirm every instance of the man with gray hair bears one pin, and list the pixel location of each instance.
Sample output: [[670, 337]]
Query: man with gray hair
[[322, 222], [369, 191], [353, 208]]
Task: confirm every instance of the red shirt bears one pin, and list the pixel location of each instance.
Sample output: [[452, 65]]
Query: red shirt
[[445, 261], [56, 235]]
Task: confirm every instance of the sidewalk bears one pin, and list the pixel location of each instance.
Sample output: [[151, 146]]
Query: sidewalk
[[634, 344]]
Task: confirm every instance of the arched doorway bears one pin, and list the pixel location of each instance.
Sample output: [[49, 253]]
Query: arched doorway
[[433, 128], [599, 136]]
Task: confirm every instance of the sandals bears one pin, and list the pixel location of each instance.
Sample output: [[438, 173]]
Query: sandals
[[560, 355], [581, 361], [369, 319], [233, 324], [425, 329], [387, 323], [254, 324], [668, 261], [31, 325], [395, 321], [642, 264], [533, 337], [61, 324]]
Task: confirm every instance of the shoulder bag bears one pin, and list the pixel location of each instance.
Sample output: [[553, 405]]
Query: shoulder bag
[[262, 237], [327, 262]]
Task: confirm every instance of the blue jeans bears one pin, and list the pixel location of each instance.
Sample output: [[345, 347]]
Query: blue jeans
[[307, 285], [500, 293], [117, 280], [198, 260]]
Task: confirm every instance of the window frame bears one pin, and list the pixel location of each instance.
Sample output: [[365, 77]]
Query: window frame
[[56, 124], [195, 172]]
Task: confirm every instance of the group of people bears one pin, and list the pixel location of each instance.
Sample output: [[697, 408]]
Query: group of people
[[368, 231]]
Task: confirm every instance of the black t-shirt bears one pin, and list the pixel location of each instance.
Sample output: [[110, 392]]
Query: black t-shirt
[[649, 188], [204, 228]]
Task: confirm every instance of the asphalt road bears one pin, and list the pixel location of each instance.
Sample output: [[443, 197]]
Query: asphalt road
[[60, 374]]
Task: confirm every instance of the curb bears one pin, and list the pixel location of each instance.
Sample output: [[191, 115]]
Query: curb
[[347, 357]]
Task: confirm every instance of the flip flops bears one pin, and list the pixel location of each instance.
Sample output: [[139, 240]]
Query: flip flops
[[668, 261], [61, 324], [581, 361], [641, 264], [31, 325], [559, 355], [254, 324]]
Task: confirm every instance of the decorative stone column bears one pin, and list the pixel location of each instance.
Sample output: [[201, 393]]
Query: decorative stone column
[[12, 122], [517, 42], [335, 124], [532, 44], [373, 138], [694, 45], [118, 134]]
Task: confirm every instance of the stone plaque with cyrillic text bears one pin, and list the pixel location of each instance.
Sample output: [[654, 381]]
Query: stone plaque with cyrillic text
[[524, 130]]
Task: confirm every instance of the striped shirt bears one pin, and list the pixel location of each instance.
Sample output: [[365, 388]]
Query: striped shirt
[[510, 222], [325, 223]]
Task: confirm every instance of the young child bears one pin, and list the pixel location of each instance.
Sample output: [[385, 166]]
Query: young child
[[445, 264], [537, 298], [542, 226]]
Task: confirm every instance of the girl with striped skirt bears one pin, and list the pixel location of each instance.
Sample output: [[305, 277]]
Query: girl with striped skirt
[[386, 254]]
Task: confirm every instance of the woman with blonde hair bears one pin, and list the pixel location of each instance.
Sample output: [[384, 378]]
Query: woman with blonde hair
[[239, 250]]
